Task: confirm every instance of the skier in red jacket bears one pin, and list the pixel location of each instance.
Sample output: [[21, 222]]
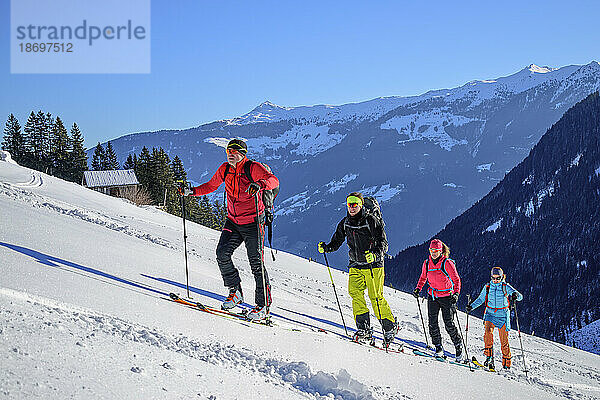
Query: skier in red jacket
[[444, 287], [243, 224]]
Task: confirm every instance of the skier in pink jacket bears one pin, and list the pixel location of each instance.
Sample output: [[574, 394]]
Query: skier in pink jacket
[[444, 287]]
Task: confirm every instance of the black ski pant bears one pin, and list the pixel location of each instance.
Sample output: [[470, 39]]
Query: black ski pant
[[252, 235], [433, 310]]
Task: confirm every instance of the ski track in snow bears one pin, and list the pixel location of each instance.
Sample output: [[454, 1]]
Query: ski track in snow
[[47, 315], [19, 192]]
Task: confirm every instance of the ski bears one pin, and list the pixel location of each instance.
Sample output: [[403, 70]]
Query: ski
[[423, 354], [480, 365], [242, 316], [392, 348]]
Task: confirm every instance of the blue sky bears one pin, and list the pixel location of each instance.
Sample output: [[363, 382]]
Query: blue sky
[[220, 59]]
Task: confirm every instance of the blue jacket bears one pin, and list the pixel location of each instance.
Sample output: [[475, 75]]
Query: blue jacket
[[497, 310]]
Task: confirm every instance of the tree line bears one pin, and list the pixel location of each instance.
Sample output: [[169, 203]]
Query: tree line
[[45, 145]]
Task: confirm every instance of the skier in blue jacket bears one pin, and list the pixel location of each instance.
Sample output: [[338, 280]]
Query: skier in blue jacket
[[497, 296]]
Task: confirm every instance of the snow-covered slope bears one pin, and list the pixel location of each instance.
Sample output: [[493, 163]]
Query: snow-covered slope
[[83, 315]]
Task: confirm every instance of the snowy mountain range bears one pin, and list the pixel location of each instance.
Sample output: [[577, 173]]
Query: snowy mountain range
[[537, 224], [426, 158], [84, 313]]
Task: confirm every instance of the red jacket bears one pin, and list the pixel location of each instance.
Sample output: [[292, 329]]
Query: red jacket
[[241, 206], [442, 281]]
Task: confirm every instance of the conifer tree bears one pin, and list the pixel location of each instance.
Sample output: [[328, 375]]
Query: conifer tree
[[28, 137], [179, 173], [14, 141], [98, 158], [77, 156], [129, 163], [111, 158], [142, 169], [38, 141], [49, 132], [60, 149]]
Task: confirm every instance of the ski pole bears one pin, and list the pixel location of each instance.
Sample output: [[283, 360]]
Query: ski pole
[[462, 338], [519, 330], [187, 282], [262, 250], [467, 325], [423, 322], [335, 292]]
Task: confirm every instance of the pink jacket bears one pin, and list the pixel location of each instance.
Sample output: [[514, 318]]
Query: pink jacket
[[442, 277]]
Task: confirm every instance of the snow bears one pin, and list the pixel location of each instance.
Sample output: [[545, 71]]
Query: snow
[[484, 167], [528, 180], [575, 161], [529, 208], [428, 125], [309, 139], [83, 315], [6, 157], [383, 193], [493, 227], [336, 185], [475, 92], [597, 171]]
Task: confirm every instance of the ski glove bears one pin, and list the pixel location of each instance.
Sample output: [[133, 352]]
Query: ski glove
[[454, 299], [370, 257], [513, 298], [469, 308], [253, 188], [321, 246], [184, 191], [416, 293]]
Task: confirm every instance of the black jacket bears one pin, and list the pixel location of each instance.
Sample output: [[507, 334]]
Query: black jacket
[[363, 232]]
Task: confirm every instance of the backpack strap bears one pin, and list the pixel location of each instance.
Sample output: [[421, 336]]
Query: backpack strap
[[247, 172], [247, 166]]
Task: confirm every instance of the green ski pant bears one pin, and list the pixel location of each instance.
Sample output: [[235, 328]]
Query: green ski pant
[[358, 281]]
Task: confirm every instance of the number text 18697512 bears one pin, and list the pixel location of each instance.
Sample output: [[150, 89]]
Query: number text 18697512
[[47, 47]]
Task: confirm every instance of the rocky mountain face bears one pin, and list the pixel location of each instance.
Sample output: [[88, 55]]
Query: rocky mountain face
[[426, 158], [541, 224]]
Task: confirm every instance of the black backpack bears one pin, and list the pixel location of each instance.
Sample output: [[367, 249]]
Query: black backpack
[[372, 206], [268, 198]]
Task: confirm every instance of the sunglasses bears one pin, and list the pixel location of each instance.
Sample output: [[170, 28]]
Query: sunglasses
[[352, 205], [230, 150], [434, 250], [496, 278]]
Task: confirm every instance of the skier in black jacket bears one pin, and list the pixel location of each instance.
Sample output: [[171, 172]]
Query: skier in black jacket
[[367, 242]]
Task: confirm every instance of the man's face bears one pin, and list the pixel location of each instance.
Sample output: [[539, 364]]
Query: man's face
[[354, 208], [234, 157]]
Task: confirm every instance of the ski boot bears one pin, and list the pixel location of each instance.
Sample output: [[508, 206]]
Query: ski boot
[[389, 331], [439, 351], [461, 356], [488, 360], [489, 363], [235, 297], [258, 313], [364, 336]]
